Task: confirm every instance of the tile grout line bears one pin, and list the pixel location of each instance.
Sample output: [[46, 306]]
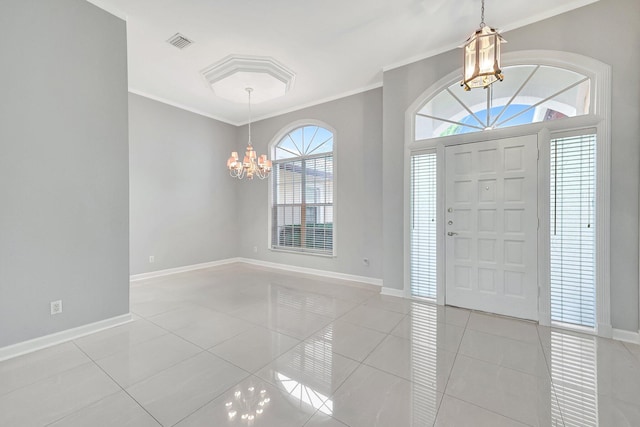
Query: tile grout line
[[169, 331], [254, 372], [119, 385], [551, 382], [360, 363], [463, 400], [167, 368], [468, 356], [164, 369], [490, 410], [218, 396], [455, 359], [86, 406], [2, 395], [249, 374]]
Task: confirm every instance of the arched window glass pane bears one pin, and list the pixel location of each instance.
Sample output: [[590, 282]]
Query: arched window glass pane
[[304, 141], [530, 94], [302, 210]]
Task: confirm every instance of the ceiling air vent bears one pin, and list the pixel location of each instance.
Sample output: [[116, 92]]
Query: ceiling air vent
[[179, 41]]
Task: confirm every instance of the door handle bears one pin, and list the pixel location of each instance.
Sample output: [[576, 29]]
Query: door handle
[[451, 233]]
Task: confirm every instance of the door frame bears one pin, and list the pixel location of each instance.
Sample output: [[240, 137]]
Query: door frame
[[599, 119], [439, 145]]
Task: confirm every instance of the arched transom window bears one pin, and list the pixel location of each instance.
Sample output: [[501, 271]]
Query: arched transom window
[[528, 94], [303, 187]]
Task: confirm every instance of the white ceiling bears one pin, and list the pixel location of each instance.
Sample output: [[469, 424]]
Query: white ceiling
[[335, 47]]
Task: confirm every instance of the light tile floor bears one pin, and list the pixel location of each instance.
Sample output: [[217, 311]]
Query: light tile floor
[[243, 346]]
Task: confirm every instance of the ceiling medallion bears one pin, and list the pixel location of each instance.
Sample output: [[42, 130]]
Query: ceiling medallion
[[229, 76]]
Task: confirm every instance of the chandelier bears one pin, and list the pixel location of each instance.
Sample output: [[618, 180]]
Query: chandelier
[[482, 57], [252, 164]]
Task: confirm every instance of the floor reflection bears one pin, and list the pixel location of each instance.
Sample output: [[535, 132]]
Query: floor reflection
[[248, 404], [574, 377], [311, 352], [305, 395], [307, 377], [424, 361], [422, 353]]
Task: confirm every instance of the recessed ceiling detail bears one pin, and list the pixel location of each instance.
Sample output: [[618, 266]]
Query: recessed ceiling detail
[[230, 77], [179, 41], [333, 54]]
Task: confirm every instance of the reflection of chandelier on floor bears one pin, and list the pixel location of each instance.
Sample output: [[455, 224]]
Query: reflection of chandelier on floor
[[247, 405], [252, 164]]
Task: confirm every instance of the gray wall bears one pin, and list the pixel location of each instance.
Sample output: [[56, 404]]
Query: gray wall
[[63, 167], [356, 120], [183, 201], [607, 31], [64, 217]]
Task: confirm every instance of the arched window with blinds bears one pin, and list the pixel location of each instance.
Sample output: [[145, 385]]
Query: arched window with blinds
[[303, 190]]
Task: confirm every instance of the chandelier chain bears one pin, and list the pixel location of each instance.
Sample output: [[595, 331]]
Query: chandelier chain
[[249, 90], [482, 24]]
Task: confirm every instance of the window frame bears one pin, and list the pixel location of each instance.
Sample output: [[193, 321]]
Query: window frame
[[599, 117], [272, 196], [580, 133], [474, 110], [413, 218]]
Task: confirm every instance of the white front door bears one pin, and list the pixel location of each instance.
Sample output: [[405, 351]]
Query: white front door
[[491, 225]]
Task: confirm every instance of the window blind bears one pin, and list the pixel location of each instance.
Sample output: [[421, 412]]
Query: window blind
[[303, 208], [423, 225], [573, 226]]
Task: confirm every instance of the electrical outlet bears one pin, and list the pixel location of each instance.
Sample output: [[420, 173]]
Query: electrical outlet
[[152, 259], [56, 307]]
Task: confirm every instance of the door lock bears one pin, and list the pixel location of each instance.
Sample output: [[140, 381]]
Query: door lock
[[451, 233]]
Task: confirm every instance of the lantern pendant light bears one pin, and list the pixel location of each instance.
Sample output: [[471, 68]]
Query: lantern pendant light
[[481, 65]]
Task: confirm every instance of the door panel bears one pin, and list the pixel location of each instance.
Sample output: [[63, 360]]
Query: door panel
[[491, 224]]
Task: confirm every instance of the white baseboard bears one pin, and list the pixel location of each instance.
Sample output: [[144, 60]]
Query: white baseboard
[[392, 292], [315, 272], [605, 330], [39, 343], [169, 271], [628, 336], [312, 271], [544, 319]]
